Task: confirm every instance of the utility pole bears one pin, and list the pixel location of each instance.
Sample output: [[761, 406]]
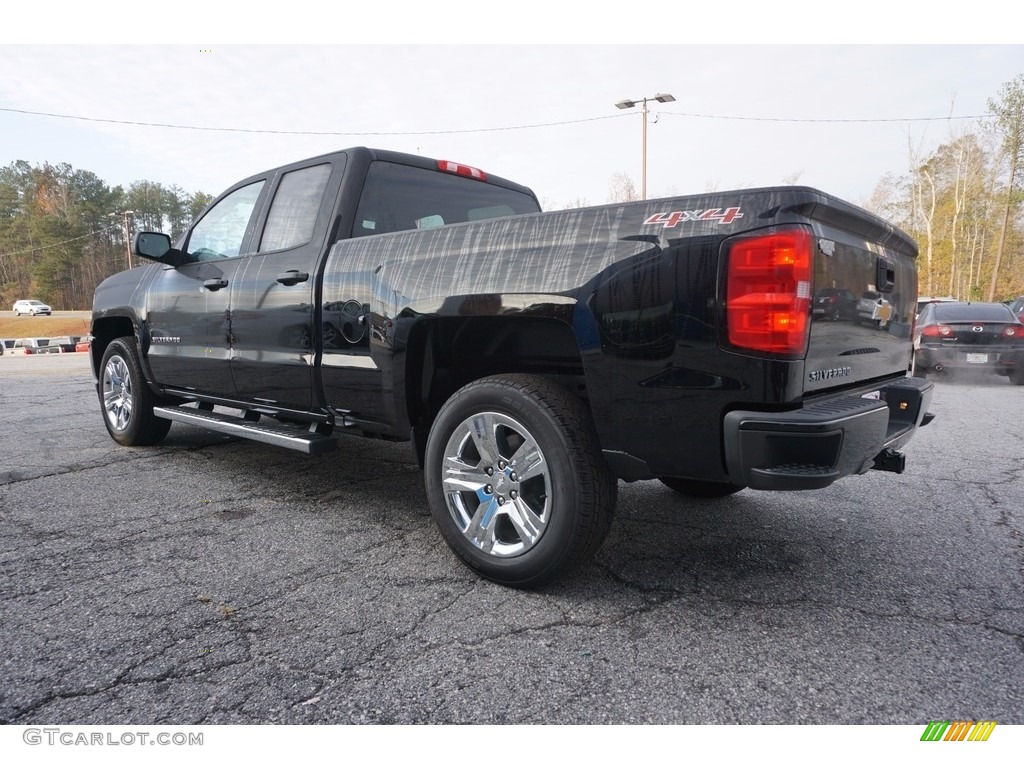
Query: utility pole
[[127, 235]]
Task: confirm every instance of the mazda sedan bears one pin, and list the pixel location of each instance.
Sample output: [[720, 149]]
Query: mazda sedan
[[969, 336]]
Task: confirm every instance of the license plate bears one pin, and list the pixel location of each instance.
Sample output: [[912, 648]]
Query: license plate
[[976, 358]]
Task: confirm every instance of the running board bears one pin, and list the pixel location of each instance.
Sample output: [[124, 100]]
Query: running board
[[303, 439]]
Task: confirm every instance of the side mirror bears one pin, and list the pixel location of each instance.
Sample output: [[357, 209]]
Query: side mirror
[[157, 247], [151, 245]]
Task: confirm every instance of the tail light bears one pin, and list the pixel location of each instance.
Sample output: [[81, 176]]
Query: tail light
[[768, 291], [937, 331], [447, 166], [1014, 333]]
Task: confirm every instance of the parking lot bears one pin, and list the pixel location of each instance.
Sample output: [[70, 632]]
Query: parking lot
[[211, 580]]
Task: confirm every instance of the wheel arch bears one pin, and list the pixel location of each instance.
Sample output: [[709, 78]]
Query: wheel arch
[[446, 353], [104, 331]]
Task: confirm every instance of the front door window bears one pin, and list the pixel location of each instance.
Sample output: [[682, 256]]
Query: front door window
[[222, 231]]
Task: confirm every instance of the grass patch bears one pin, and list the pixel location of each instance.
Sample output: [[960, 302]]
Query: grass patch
[[50, 326]]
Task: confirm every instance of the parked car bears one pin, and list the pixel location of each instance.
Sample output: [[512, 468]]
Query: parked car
[[964, 335], [1017, 306], [923, 301], [835, 304], [874, 308], [31, 307], [66, 343], [35, 347]]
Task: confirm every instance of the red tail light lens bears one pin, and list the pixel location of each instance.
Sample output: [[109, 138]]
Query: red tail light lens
[[936, 331], [461, 170], [1014, 332], [768, 291]]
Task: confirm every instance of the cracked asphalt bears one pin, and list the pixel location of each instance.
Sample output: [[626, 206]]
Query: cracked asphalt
[[211, 580]]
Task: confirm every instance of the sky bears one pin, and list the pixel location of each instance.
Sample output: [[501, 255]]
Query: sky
[[535, 108]]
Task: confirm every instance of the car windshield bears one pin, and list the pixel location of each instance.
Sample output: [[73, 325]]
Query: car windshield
[[973, 313]]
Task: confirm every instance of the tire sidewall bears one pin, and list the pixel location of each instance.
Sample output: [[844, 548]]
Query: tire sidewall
[[118, 349], [143, 427], [555, 546]]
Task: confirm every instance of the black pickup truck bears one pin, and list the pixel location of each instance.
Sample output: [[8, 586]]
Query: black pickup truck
[[534, 359]]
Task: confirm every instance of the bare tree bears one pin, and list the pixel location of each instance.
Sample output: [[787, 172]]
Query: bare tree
[[621, 189], [1009, 123]]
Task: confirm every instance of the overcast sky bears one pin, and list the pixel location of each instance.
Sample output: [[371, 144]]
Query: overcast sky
[[837, 117]]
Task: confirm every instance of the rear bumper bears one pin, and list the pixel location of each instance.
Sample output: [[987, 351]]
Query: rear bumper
[[826, 439], [997, 359]]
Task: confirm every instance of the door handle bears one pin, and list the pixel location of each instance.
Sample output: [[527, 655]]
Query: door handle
[[214, 283], [292, 276]]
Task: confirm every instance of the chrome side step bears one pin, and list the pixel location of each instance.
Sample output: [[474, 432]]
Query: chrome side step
[[297, 438]]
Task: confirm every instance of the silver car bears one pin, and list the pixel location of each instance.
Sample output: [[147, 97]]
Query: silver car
[[31, 307]]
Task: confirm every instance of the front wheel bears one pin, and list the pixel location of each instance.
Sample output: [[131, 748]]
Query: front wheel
[[516, 480], [703, 489], [126, 400]]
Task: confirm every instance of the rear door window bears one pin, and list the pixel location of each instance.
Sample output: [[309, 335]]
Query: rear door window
[[401, 197], [293, 213]]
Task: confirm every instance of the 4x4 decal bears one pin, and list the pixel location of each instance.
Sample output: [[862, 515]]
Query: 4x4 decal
[[669, 220]]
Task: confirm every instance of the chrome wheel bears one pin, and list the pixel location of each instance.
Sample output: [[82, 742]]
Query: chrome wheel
[[496, 484], [118, 398]]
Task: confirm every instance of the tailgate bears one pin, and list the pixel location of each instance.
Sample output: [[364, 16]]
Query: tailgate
[[864, 295]]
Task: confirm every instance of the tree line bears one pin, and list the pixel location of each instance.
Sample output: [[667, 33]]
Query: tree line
[[62, 231], [962, 203]]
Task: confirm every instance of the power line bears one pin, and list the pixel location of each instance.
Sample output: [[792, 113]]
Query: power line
[[826, 119], [63, 242], [489, 130], [307, 133]]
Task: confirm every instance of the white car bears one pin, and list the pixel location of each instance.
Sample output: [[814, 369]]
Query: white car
[[874, 308], [31, 307]]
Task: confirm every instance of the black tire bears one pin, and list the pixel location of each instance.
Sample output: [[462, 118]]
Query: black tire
[[1017, 376], [702, 489], [518, 531], [126, 401]]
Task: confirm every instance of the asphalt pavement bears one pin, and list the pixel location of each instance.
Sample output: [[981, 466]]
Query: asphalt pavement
[[211, 580]]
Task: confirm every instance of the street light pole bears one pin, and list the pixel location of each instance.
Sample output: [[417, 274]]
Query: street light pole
[[628, 104]]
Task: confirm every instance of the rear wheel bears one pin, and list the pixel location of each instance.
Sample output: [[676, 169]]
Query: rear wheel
[[516, 481], [126, 400], [702, 489]]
